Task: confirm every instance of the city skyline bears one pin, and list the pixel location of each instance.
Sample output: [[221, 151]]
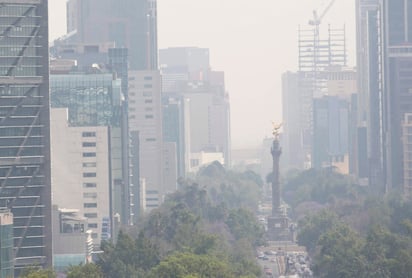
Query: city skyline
[[226, 41]]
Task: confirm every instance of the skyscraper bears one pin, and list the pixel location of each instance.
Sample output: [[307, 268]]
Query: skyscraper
[[187, 74], [396, 22], [370, 99], [128, 23], [24, 129], [384, 47], [145, 120]]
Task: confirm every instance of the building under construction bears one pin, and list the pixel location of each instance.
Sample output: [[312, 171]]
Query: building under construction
[[318, 55], [322, 59]]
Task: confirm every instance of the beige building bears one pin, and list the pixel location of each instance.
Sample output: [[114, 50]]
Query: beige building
[[145, 118], [80, 171], [342, 82], [209, 123], [202, 159]]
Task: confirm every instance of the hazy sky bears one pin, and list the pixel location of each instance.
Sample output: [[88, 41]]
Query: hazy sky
[[253, 41]]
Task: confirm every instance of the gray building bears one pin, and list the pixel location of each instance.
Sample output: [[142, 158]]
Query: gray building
[[128, 23], [370, 102], [24, 129], [205, 125], [176, 126], [331, 133], [384, 47], [396, 18]]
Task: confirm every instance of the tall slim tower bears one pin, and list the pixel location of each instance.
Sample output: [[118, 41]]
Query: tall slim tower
[[25, 185], [276, 151], [278, 223]]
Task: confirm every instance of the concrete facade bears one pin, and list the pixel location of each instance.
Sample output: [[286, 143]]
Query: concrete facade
[[145, 117], [81, 171]]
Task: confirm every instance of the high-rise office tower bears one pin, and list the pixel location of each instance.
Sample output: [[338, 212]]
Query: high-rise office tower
[[145, 123], [396, 18], [384, 44], [132, 26], [128, 23], [24, 129], [331, 133], [370, 101], [186, 74]]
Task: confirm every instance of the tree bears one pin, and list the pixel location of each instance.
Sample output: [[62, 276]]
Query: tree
[[129, 257], [340, 254], [313, 227], [192, 265], [84, 271], [33, 272], [244, 225]]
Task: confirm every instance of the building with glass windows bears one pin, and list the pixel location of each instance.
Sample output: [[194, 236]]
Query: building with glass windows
[[87, 149], [24, 128], [128, 23], [384, 47]]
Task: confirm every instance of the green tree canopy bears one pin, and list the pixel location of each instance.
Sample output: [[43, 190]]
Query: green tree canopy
[[33, 272], [192, 265], [84, 271]]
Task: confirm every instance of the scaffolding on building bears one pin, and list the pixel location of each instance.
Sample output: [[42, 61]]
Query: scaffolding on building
[[318, 55]]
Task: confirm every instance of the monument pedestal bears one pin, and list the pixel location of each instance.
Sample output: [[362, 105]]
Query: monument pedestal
[[279, 228]]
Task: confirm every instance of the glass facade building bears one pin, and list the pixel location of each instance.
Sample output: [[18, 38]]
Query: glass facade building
[[96, 100], [25, 185], [92, 99]]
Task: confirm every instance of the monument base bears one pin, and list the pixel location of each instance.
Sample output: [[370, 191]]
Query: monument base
[[279, 228]]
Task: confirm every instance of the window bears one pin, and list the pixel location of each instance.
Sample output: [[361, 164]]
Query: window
[[89, 154], [90, 215], [89, 185], [89, 134], [92, 195], [89, 164], [92, 226], [148, 101], [149, 116], [148, 78], [148, 86], [147, 94], [89, 175], [151, 140], [94, 235], [89, 144], [90, 205]]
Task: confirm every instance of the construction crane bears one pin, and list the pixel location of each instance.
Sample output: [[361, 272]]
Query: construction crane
[[317, 20], [317, 59]]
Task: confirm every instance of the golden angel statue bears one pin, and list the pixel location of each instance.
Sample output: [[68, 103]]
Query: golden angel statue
[[276, 129]]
